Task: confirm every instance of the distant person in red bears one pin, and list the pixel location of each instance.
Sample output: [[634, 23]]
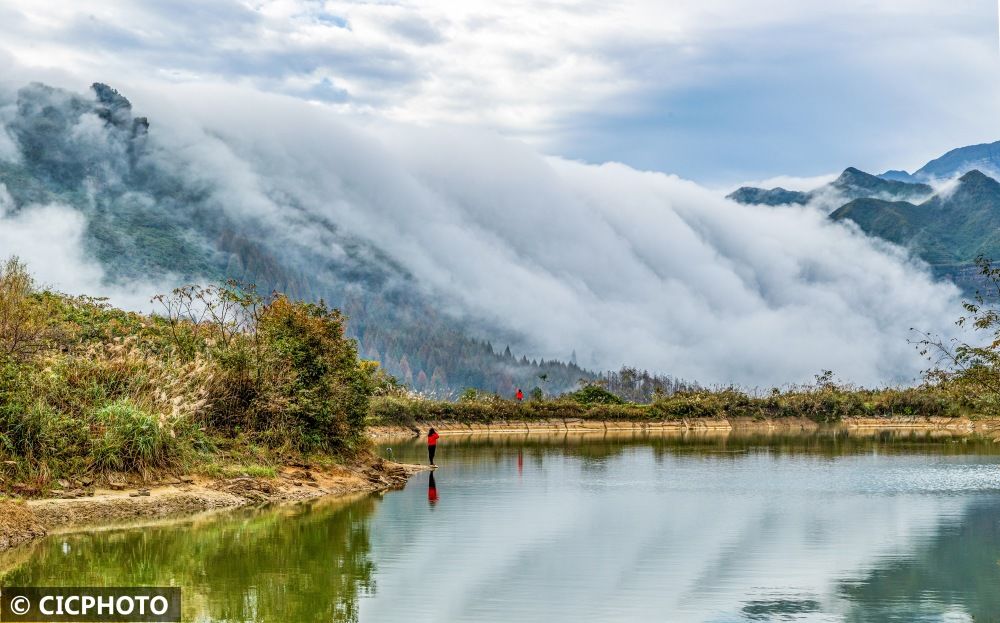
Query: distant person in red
[[432, 490], [432, 441], [519, 395]]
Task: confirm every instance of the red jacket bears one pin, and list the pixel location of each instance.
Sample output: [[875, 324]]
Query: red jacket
[[432, 440]]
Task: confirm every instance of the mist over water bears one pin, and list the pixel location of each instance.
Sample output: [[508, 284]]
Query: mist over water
[[624, 266]]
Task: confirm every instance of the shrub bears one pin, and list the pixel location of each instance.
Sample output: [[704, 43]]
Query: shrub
[[129, 439], [293, 378], [41, 435], [327, 391], [595, 395]]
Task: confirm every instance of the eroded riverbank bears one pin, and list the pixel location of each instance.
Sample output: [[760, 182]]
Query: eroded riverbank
[[24, 521]]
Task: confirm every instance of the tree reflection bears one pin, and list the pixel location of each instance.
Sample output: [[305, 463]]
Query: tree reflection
[[958, 568], [594, 448], [305, 563]]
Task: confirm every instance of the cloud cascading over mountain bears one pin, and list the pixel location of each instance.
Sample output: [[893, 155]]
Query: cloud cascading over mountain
[[622, 265]]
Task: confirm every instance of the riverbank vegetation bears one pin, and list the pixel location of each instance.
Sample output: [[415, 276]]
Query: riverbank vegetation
[[224, 380], [820, 403], [221, 374]]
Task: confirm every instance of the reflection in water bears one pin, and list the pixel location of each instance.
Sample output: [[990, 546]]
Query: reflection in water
[[959, 566], [688, 527], [432, 490], [829, 442], [304, 563], [702, 528]]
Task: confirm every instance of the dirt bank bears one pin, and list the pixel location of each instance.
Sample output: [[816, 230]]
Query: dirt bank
[[953, 425], [21, 522], [18, 525]]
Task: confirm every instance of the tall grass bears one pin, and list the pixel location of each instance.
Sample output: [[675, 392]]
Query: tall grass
[[129, 439]]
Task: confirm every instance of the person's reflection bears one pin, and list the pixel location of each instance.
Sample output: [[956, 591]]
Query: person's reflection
[[520, 461], [432, 490]]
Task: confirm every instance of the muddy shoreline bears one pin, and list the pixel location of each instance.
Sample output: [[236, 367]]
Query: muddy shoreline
[[24, 521]]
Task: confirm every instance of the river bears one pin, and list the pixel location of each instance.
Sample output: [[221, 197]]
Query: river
[[824, 526]]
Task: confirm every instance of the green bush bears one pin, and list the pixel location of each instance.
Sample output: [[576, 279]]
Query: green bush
[[324, 390], [595, 395], [132, 440], [821, 404]]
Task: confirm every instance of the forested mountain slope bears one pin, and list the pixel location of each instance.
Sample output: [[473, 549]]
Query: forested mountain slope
[[948, 231]]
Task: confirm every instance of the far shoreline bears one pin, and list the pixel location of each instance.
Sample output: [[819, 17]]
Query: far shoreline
[[954, 425]]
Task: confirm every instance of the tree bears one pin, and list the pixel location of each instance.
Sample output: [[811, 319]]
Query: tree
[[976, 366], [25, 328]]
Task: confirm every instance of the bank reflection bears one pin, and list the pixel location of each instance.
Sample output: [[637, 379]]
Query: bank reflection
[[595, 448], [303, 563]]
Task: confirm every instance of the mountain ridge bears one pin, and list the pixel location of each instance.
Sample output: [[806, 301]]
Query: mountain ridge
[[948, 226], [852, 183], [949, 230]]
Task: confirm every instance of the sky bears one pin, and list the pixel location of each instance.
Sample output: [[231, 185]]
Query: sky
[[718, 91]]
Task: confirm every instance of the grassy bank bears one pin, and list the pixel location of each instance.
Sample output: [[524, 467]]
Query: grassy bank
[[222, 379]]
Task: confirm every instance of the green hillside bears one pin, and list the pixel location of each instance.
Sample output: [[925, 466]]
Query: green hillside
[[948, 231]]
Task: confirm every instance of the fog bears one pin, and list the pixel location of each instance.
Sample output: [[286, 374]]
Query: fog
[[624, 266], [49, 239]]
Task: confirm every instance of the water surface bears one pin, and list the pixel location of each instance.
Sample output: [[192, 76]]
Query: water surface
[[722, 528]]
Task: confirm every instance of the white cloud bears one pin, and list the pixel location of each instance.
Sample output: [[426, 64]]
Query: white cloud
[[49, 239], [788, 182], [625, 266], [6, 201]]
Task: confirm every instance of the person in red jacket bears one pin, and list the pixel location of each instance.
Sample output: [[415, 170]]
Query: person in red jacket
[[432, 440], [519, 395]]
